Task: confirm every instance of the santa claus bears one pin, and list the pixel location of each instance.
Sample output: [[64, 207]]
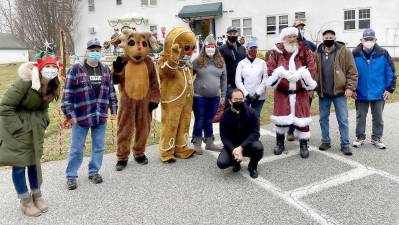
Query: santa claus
[[291, 69]]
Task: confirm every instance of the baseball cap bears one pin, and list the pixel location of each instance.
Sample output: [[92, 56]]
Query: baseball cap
[[369, 33], [298, 23], [231, 29], [252, 44], [94, 43]]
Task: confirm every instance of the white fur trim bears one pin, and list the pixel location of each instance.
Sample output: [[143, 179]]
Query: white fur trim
[[25, 71], [303, 135], [292, 65], [281, 130], [302, 122], [275, 77], [35, 79], [282, 120], [307, 81], [288, 31]]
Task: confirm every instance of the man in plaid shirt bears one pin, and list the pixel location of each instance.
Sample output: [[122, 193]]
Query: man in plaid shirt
[[88, 94]]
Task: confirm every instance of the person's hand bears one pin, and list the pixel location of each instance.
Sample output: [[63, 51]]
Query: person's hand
[[387, 95], [152, 106], [237, 153], [250, 98], [256, 96], [222, 99], [118, 65], [73, 121], [348, 93], [113, 117]]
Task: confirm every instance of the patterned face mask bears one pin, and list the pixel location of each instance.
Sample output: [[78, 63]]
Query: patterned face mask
[[49, 73]]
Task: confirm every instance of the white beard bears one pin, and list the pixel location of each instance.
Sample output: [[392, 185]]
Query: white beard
[[290, 47]]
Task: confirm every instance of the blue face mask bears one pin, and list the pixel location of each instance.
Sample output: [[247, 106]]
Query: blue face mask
[[94, 56], [186, 58]]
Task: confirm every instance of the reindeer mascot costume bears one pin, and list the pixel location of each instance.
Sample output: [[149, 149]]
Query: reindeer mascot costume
[[176, 78], [139, 94]]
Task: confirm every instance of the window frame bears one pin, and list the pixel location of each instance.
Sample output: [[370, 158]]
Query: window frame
[[277, 24]]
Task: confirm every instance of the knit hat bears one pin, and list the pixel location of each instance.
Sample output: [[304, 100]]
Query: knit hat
[[288, 31], [210, 41], [39, 65]]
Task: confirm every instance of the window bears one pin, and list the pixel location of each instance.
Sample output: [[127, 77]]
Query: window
[[271, 25], [148, 2], [282, 22], [300, 16], [356, 19], [244, 26], [364, 18], [91, 5], [237, 24], [272, 21], [247, 27], [153, 28], [119, 2], [349, 20]]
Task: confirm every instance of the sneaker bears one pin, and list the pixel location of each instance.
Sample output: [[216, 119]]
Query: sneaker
[[143, 160], [236, 167], [121, 165], [358, 143], [324, 146], [346, 150], [378, 144], [96, 178], [72, 184]]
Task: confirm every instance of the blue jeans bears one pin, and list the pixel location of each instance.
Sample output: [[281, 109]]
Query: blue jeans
[[341, 112], [256, 105], [78, 140], [19, 180], [204, 109]]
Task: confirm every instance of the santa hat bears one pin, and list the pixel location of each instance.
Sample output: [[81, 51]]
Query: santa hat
[[210, 41], [39, 65], [288, 31]]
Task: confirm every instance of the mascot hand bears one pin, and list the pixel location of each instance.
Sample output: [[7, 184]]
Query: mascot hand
[[152, 106], [118, 65]]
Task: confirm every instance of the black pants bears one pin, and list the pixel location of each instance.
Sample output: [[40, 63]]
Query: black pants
[[254, 152]]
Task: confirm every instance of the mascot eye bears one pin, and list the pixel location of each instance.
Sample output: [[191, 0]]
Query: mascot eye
[[187, 48], [131, 43], [145, 44]]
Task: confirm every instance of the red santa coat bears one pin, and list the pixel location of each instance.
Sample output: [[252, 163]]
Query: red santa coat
[[291, 108]]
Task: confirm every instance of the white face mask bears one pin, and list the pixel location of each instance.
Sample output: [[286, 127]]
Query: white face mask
[[49, 73], [369, 44], [210, 51]]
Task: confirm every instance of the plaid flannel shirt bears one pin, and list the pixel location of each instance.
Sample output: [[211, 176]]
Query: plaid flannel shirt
[[80, 101]]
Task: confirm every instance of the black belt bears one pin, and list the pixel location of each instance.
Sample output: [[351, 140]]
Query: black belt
[[287, 92]]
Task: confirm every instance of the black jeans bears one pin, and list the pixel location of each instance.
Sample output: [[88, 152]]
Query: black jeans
[[254, 152]]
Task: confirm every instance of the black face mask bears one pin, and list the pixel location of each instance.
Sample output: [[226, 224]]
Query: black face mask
[[239, 106], [232, 39], [328, 43]]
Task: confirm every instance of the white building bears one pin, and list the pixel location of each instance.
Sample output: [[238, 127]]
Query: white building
[[258, 19], [11, 50]]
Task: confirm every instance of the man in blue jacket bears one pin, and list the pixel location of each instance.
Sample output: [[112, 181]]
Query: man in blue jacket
[[376, 83]]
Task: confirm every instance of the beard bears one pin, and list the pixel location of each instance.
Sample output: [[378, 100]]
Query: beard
[[290, 47]]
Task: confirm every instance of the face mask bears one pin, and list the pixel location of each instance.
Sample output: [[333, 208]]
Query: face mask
[[94, 56], [210, 52], [49, 73], [232, 39], [186, 58], [239, 106], [302, 33], [328, 43], [369, 44]]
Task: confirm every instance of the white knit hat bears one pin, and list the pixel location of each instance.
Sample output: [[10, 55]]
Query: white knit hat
[[288, 31]]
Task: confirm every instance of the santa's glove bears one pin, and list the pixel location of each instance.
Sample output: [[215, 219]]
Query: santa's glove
[[307, 81], [152, 106], [295, 76], [118, 65], [285, 74]]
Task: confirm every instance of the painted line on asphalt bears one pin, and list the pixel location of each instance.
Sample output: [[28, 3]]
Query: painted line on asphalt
[[316, 215], [351, 175]]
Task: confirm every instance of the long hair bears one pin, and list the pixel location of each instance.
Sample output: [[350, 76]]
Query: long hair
[[204, 59], [50, 90]]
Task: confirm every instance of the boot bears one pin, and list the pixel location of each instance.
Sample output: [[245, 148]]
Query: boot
[[279, 144], [211, 146], [39, 202], [197, 141], [304, 149], [29, 208]]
